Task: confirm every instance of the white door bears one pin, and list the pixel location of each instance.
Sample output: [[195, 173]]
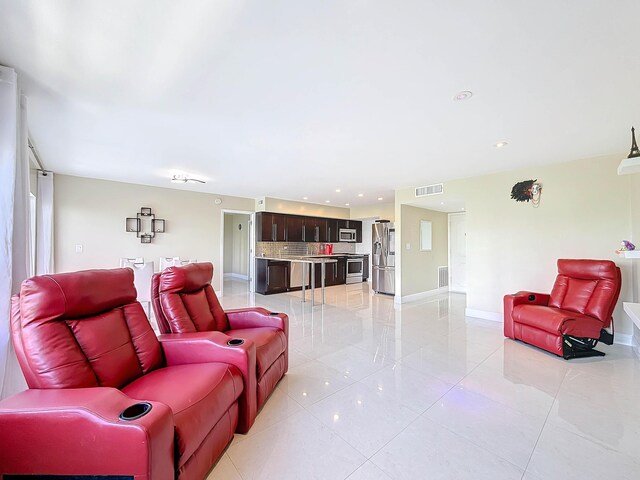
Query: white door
[[457, 253]]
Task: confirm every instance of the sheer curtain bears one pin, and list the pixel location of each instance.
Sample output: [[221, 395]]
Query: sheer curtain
[[15, 240], [44, 224]]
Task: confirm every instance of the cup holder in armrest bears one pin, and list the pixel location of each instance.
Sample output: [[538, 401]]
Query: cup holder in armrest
[[234, 342], [274, 314], [135, 411]]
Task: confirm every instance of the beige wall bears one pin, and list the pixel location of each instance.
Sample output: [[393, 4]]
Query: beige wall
[[92, 213], [420, 268], [381, 211], [585, 212], [301, 208]]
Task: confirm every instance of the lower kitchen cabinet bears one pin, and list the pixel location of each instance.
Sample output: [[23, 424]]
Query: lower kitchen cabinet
[[335, 273], [365, 267], [272, 276]]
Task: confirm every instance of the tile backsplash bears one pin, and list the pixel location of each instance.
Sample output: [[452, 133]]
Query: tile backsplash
[[278, 249]]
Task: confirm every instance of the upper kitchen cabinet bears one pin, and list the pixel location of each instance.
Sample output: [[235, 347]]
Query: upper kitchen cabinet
[[315, 229], [279, 227], [332, 230], [295, 228], [271, 227]]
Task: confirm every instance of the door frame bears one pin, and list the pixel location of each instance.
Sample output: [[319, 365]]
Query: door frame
[[454, 214], [252, 246]]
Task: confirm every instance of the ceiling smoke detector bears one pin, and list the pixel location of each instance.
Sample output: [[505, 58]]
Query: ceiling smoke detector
[[185, 179], [463, 95]]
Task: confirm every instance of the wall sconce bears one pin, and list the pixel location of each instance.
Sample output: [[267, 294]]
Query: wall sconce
[[152, 225]]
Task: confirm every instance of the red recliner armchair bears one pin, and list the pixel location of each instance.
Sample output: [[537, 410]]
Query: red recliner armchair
[[105, 396], [574, 317], [184, 302]]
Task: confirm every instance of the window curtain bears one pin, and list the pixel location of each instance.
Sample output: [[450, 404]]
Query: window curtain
[[15, 258], [44, 224]]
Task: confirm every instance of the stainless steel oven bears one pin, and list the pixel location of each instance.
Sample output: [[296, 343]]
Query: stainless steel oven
[[354, 269]]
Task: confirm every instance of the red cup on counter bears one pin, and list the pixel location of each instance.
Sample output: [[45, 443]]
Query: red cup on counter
[[328, 249]]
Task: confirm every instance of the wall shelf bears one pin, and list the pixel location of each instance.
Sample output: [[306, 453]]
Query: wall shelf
[[629, 254], [633, 310]]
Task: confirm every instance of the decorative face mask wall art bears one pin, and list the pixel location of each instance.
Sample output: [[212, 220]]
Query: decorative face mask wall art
[[527, 190]]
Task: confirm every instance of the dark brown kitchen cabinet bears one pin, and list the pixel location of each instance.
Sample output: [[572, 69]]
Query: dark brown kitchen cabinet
[[365, 267], [279, 227], [271, 227], [272, 276], [332, 230], [335, 273], [315, 229], [295, 228]]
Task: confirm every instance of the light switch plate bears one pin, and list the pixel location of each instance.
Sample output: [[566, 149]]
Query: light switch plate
[[78, 248], [408, 246]]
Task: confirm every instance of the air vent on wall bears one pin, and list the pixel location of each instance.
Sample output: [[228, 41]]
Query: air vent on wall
[[434, 189]]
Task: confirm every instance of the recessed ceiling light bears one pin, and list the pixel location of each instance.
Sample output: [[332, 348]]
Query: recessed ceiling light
[[463, 209], [337, 190], [379, 198], [361, 194], [327, 201], [305, 198], [501, 144], [346, 204], [441, 203], [463, 95]]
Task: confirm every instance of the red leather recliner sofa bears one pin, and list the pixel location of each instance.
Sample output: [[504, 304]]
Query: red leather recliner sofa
[[574, 317], [105, 396], [184, 302]]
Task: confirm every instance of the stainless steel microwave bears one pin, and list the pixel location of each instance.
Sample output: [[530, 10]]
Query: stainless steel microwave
[[347, 235]]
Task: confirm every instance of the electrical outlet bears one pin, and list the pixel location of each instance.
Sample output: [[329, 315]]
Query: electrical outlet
[[408, 246], [78, 248]]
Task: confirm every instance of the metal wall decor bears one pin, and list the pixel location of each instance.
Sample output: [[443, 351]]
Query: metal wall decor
[[527, 190], [145, 225], [635, 152]]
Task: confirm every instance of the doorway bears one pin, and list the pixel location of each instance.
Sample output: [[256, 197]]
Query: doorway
[[236, 252], [457, 253]]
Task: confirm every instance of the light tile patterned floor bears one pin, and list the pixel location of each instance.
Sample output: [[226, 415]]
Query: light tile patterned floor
[[377, 391]]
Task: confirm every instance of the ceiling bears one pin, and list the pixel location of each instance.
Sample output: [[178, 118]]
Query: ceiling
[[294, 98]]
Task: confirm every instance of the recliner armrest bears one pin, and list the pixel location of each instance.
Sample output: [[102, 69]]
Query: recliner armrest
[[257, 317], [532, 298], [204, 347], [513, 300], [78, 432]]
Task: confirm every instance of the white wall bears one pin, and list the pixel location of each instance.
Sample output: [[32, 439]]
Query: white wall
[[92, 213], [585, 212], [301, 208], [378, 211]]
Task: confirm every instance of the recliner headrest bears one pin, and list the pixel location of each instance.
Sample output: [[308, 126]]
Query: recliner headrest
[[588, 269], [75, 295], [187, 278]]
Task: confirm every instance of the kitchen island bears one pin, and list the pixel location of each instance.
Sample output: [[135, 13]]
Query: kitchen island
[[273, 274]]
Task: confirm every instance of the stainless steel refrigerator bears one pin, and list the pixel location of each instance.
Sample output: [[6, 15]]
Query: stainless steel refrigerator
[[383, 258]]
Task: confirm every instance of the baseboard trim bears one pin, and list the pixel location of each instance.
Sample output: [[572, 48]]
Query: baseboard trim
[[484, 315], [239, 276], [414, 297], [623, 339]]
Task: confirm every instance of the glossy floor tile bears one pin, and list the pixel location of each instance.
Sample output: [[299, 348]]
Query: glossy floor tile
[[382, 391]]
